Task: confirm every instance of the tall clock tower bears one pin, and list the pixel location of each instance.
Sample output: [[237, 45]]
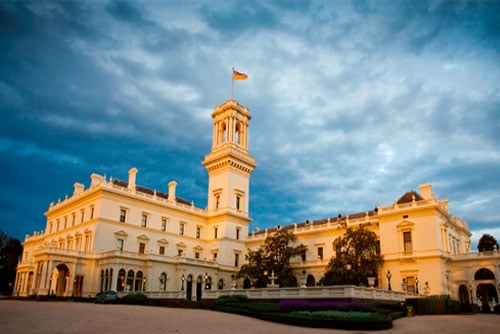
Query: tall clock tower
[[229, 167]]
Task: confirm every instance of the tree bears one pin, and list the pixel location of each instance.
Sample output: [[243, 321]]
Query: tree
[[273, 256], [487, 243], [358, 257], [10, 251]]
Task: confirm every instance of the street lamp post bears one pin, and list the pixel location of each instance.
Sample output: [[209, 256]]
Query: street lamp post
[[470, 290], [416, 285], [389, 279], [183, 278]]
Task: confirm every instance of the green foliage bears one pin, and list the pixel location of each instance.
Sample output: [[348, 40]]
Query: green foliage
[[228, 299], [273, 256], [435, 305], [358, 259], [10, 251], [393, 310], [135, 299], [318, 319], [487, 243]]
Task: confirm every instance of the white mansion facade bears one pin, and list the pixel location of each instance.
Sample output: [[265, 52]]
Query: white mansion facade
[[117, 235]]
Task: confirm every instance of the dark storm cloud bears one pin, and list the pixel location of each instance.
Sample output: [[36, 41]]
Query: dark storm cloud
[[353, 102], [239, 17]]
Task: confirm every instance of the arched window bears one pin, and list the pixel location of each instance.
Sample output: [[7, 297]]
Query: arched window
[[222, 133], [163, 281], [120, 282], [106, 279], [110, 279], [138, 282], [101, 286], [310, 281], [237, 133], [208, 283], [221, 284], [130, 281], [484, 273]]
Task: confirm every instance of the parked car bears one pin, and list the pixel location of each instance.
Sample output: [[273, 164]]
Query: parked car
[[106, 297]]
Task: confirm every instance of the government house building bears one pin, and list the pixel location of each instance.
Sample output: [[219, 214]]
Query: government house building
[[118, 235]]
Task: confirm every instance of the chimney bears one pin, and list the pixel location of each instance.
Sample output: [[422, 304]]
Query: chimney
[[131, 178], [78, 188], [426, 190], [171, 191]]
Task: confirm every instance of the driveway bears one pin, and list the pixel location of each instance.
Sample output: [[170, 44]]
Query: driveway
[[18, 316]]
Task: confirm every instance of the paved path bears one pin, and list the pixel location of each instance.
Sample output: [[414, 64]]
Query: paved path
[[69, 317]]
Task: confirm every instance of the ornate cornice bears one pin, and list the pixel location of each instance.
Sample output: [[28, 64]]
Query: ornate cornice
[[229, 155]]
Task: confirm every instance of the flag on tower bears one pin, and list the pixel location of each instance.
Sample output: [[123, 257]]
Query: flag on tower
[[239, 76]]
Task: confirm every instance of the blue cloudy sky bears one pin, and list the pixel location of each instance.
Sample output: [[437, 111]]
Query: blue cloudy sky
[[353, 102]]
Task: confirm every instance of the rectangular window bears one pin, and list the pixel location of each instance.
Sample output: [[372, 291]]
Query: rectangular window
[[196, 255], [215, 232], [65, 221], [57, 228], [198, 232], [179, 252], [73, 219], [407, 242], [119, 244], [238, 202], [217, 201], [87, 243], [83, 216], [236, 259], [162, 250], [123, 215], [320, 253], [410, 284], [91, 212], [142, 247], [215, 256], [237, 233], [181, 228], [144, 220], [164, 224]]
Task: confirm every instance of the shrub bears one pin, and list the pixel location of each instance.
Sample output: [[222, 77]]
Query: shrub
[[321, 305], [135, 299], [228, 299], [333, 319], [435, 305], [321, 314]]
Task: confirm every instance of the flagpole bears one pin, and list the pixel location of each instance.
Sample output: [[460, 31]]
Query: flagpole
[[232, 84]]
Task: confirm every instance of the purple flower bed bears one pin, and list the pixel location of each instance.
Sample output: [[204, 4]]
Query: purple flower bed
[[321, 305]]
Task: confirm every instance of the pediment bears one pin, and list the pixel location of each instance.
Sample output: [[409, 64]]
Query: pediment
[[143, 237], [181, 244], [121, 233], [406, 224], [197, 248], [163, 241]]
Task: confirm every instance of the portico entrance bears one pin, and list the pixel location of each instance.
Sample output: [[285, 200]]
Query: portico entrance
[[486, 293], [60, 281]]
